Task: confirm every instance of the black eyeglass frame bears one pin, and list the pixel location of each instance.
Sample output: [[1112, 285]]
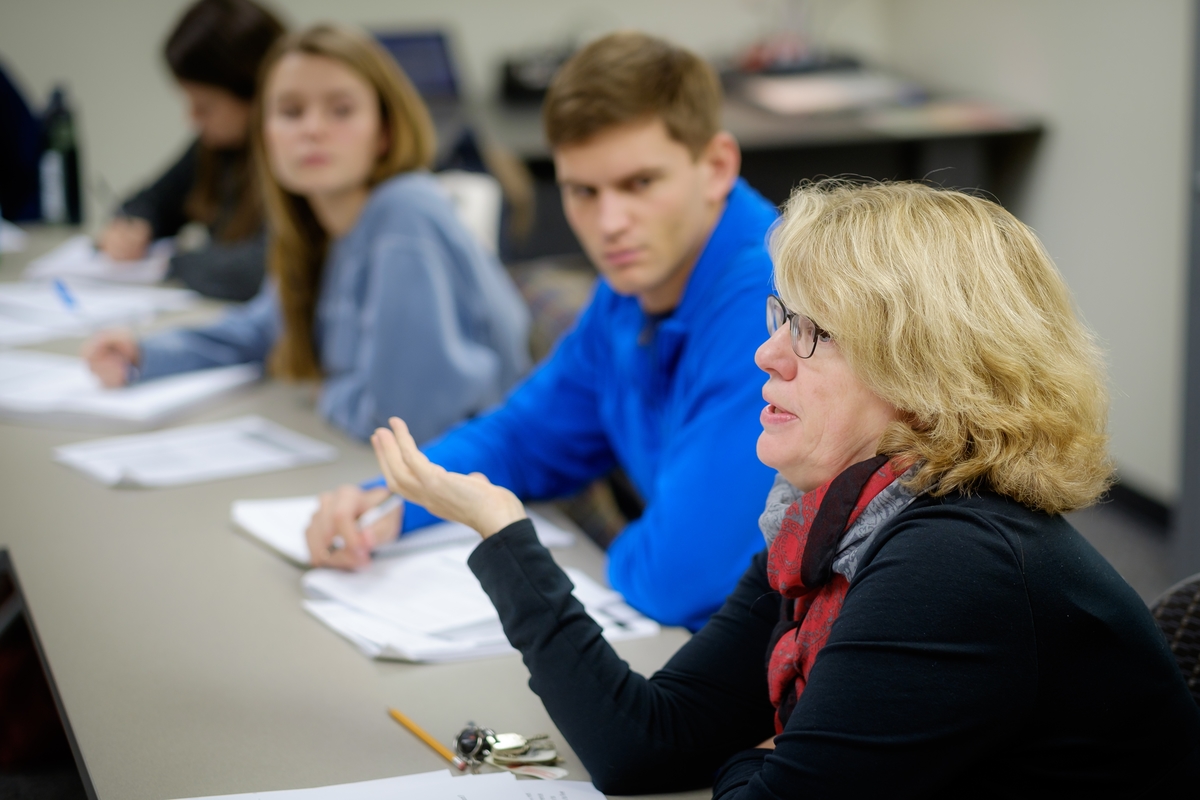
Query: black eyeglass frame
[[794, 319]]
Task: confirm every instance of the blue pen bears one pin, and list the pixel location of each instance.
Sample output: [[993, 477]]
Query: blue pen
[[64, 294]]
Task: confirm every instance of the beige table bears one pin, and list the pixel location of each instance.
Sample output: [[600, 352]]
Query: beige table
[[179, 649]]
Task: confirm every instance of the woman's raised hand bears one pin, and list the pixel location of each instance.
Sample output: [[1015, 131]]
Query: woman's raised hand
[[470, 499]]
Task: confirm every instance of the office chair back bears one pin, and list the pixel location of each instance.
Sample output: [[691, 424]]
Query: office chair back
[[1177, 612]]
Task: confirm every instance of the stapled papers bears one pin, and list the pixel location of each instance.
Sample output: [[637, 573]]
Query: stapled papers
[[280, 523], [54, 389], [428, 606], [194, 453]]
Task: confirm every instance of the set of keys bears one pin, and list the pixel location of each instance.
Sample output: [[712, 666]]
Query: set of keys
[[533, 755]]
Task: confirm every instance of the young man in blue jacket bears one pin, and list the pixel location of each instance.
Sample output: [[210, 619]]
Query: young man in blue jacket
[[658, 374]]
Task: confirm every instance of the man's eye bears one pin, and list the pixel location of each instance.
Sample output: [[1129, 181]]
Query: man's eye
[[581, 192], [639, 184], [291, 112]]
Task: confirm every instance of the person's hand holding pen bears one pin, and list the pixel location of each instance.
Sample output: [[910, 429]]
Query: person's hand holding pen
[[470, 499], [110, 354], [337, 536]]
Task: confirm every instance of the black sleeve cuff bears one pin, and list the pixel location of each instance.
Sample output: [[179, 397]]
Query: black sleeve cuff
[[737, 772]]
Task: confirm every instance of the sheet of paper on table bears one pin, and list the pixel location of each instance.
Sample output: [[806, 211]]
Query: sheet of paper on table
[[78, 258], [32, 312], [280, 523], [55, 389], [194, 453], [434, 786], [428, 606]]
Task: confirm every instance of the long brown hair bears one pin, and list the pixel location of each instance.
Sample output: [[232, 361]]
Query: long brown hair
[[298, 244], [221, 43]]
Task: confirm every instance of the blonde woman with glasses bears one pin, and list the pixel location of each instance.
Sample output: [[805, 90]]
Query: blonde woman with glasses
[[923, 622]]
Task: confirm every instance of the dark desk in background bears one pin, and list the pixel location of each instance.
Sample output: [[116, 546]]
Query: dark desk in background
[[960, 144]]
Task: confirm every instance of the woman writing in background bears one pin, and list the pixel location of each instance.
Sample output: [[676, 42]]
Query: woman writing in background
[[932, 627], [214, 53], [374, 287]]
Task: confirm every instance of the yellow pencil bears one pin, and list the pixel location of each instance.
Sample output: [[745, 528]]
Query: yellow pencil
[[441, 749]]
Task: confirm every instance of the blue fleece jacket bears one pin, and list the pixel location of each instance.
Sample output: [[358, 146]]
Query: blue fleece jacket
[[414, 319], [675, 405]]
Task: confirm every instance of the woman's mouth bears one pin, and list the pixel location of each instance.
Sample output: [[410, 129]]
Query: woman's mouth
[[774, 415]]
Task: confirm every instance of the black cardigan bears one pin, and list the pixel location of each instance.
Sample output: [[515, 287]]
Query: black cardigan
[[224, 270], [983, 650]]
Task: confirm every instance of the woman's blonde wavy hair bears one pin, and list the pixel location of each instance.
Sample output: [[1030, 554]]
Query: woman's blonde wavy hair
[[949, 308], [297, 247]]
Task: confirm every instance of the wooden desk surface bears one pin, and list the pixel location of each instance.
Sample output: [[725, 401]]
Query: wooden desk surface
[[179, 648]]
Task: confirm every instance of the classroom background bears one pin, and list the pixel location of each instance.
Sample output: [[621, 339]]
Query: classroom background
[[1105, 91]]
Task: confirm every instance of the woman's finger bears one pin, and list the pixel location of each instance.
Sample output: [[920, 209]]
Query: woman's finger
[[390, 461], [406, 447]]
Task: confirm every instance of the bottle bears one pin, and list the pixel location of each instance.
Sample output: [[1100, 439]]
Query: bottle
[[59, 166]]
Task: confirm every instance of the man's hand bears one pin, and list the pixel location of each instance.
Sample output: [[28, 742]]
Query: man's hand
[[125, 239], [470, 499], [337, 519], [110, 354]]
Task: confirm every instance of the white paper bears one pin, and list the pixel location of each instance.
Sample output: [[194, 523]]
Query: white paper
[[36, 312], [78, 258], [280, 524], [195, 453], [12, 238], [61, 389], [522, 790], [422, 786], [825, 92], [430, 607], [439, 785]]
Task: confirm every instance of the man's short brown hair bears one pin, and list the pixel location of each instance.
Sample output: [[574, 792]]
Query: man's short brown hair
[[627, 76]]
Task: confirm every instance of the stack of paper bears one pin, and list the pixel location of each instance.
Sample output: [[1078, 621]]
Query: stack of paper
[[194, 453], [826, 92], [428, 606], [435, 786], [54, 389], [79, 258], [280, 524], [40, 312]]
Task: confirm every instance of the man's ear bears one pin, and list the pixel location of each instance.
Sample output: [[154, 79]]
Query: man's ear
[[723, 159]]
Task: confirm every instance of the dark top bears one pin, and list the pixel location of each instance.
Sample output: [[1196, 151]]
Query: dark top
[[224, 270], [983, 650]]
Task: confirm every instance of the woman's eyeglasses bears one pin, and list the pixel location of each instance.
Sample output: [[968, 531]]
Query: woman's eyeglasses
[[805, 332]]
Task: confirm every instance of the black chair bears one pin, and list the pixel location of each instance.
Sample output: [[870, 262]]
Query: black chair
[[1177, 612]]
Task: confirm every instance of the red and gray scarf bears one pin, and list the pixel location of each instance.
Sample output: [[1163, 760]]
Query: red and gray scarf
[[815, 545]]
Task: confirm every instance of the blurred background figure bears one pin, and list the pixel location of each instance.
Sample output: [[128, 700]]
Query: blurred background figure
[[376, 288], [214, 54]]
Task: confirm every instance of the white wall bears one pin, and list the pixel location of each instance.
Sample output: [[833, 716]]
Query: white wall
[[1111, 77], [1109, 187]]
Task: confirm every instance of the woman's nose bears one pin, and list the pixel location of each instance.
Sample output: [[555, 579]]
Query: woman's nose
[[775, 355]]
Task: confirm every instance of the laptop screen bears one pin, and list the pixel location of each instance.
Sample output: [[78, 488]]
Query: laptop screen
[[425, 58]]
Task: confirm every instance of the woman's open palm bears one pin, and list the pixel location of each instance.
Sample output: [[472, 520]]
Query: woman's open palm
[[470, 499]]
